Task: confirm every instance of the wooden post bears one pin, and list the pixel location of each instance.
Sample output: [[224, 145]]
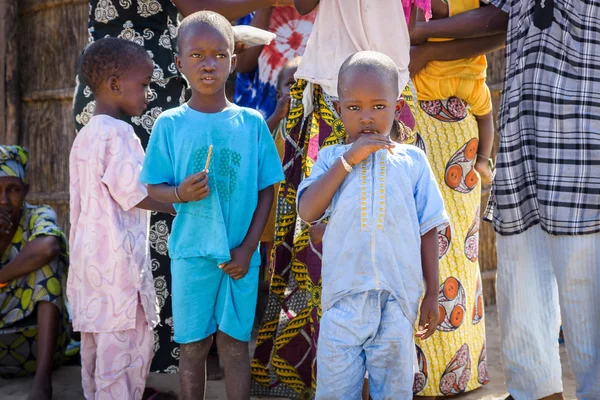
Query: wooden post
[[487, 236], [9, 80]]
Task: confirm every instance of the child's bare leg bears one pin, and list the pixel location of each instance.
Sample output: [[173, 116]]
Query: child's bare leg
[[213, 364], [236, 361], [192, 368], [365, 390], [485, 125]]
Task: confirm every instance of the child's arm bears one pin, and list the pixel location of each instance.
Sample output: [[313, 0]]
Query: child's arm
[[238, 267], [281, 111], [230, 9], [317, 231], [485, 124], [150, 204], [193, 188], [317, 197], [247, 60], [432, 217], [305, 6], [429, 306]]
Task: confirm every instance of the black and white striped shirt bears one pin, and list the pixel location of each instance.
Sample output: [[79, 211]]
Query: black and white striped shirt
[[548, 164]]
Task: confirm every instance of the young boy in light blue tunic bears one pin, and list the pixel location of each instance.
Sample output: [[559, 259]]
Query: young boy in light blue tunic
[[381, 242], [217, 163]]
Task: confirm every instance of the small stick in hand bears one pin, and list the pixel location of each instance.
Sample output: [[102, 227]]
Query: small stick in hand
[[208, 157]]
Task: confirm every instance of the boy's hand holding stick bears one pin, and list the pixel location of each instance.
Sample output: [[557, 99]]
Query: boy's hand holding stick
[[365, 145], [195, 187]]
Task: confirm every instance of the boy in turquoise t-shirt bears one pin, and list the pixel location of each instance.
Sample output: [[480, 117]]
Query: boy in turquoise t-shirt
[[221, 209]]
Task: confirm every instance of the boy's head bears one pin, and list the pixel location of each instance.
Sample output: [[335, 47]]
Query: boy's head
[[205, 42], [285, 79], [368, 94], [118, 72]]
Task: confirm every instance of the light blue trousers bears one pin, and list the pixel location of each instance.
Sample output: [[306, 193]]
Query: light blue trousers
[[365, 332]]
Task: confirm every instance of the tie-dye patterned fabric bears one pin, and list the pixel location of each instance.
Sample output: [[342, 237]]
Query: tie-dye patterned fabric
[[258, 89]]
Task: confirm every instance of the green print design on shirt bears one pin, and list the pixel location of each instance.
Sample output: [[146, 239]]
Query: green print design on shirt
[[223, 169]]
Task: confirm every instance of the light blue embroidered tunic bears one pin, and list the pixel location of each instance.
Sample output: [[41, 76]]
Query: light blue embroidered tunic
[[377, 218]]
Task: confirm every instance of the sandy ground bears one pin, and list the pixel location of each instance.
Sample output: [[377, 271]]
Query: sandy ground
[[67, 380]]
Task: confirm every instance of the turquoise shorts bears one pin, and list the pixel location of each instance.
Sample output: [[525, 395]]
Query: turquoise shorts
[[206, 299]]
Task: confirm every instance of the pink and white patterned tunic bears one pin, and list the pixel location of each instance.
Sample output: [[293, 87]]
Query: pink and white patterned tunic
[[110, 268]]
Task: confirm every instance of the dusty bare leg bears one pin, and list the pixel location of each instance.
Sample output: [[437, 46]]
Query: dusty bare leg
[[192, 369], [213, 364], [47, 319], [365, 390], [236, 361]]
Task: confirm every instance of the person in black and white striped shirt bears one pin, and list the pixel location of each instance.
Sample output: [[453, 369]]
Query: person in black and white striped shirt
[[545, 203]]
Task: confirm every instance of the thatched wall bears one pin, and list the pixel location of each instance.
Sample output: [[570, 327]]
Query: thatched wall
[[44, 39]]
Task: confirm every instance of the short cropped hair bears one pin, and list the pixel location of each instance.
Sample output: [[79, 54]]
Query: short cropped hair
[[109, 57], [293, 63], [368, 61], [212, 19]]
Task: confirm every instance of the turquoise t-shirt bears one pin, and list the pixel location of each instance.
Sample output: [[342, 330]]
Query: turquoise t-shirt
[[244, 161]]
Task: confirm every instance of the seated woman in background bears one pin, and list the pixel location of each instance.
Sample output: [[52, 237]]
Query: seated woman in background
[[33, 270]]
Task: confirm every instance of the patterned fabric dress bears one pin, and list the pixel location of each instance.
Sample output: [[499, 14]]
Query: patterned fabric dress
[[18, 300], [454, 359], [258, 89], [284, 363], [153, 25]]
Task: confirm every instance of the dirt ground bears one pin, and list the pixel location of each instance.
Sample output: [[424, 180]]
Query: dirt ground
[[67, 380]]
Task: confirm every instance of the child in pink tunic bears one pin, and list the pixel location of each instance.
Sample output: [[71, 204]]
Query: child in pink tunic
[[110, 284]]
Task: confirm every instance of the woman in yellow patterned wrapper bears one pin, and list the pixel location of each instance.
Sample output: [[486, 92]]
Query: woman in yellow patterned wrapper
[[454, 359], [33, 269]]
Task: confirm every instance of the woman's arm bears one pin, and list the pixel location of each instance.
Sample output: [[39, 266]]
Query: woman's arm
[[230, 9], [483, 21], [247, 61], [33, 256], [453, 50], [305, 6]]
